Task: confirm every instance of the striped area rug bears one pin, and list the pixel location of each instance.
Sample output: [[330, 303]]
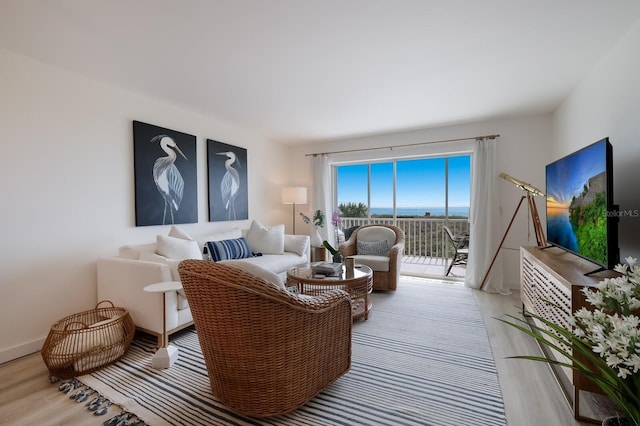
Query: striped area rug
[[422, 358]]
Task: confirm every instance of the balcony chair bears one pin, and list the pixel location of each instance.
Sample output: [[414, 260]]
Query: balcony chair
[[267, 351], [381, 248], [460, 246]]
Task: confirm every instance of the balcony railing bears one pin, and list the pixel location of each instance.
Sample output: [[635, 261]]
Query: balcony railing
[[424, 237]]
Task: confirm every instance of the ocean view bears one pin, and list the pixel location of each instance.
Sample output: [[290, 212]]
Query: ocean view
[[420, 211]]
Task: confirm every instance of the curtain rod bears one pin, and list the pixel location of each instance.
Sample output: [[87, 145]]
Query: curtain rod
[[402, 146]]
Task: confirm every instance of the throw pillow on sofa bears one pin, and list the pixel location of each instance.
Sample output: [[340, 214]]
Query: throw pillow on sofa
[[179, 233], [177, 248], [266, 240], [236, 248]]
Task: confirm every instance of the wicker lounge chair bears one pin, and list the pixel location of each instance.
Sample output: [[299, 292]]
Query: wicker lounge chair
[[386, 267], [267, 351]]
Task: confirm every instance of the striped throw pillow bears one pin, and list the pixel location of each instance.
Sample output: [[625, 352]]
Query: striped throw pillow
[[236, 248]]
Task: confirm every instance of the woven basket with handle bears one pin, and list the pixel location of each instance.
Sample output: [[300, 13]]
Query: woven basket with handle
[[88, 341]]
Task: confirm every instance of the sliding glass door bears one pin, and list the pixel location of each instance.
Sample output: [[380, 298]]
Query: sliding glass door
[[420, 195]]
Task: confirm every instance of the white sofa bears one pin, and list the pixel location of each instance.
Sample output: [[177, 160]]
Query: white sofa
[[122, 278]]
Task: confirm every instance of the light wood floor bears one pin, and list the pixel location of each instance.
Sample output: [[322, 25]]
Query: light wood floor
[[531, 395]]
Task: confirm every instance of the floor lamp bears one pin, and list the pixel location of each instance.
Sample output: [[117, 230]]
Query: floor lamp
[[294, 195], [530, 191]]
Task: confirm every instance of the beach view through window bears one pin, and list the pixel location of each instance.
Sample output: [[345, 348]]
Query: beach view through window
[[420, 196], [427, 187]]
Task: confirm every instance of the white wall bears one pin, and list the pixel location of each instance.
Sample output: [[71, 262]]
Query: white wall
[[68, 192], [607, 103], [524, 148]]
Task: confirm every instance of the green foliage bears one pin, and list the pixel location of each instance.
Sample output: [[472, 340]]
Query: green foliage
[[590, 225], [352, 209], [329, 247], [623, 392], [318, 219]]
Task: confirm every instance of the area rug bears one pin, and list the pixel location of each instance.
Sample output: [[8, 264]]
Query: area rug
[[422, 358]]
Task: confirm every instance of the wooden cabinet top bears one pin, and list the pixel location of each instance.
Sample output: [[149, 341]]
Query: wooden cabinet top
[[567, 267]]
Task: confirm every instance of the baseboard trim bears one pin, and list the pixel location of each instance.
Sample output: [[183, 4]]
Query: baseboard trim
[[23, 349]]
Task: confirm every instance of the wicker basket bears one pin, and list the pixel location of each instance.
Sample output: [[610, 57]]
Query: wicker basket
[[87, 341]]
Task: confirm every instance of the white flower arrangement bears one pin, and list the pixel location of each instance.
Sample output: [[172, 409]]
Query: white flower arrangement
[[605, 341], [613, 328]]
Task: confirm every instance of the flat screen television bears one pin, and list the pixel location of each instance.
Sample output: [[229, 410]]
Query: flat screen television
[[580, 212]]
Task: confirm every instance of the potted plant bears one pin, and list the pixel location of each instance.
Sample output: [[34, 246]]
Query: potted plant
[[605, 340], [335, 254], [316, 223]]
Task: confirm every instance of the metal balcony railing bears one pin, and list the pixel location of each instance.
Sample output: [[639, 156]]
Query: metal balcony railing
[[424, 237]]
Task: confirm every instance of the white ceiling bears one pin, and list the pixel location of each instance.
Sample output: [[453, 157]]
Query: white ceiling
[[299, 71]]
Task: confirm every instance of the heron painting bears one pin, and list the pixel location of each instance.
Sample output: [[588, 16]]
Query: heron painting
[[165, 176], [228, 195]]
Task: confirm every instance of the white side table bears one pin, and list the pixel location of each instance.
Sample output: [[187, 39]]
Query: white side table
[[166, 355]]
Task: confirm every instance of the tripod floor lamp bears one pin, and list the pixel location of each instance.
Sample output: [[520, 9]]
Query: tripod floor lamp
[[294, 195], [530, 191]]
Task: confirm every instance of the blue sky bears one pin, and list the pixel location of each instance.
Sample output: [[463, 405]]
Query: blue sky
[[567, 176], [420, 183]]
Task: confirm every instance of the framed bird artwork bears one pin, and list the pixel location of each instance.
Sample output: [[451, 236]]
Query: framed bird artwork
[[165, 171], [228, 190]]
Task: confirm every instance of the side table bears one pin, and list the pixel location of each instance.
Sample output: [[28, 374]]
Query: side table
[[166, 355], [359, 286]]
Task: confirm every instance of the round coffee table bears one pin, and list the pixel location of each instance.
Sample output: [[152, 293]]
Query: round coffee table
[[359, 286]]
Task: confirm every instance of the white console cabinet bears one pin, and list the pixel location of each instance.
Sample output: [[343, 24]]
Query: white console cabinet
[[554, 275]]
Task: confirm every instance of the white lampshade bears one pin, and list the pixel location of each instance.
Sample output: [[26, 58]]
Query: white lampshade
[[294, 195]]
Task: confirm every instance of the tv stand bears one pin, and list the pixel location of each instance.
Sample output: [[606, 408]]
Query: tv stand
[[595, 271], [559, 276]]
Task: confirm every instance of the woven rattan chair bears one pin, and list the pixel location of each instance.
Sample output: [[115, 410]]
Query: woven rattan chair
[[386, 269], [267, 351]]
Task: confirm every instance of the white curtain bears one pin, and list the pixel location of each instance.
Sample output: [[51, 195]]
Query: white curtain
[[321, 172], [484, 220]]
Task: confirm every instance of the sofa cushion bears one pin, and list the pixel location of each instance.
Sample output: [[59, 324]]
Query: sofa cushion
[[228, 234], [266, 240], [296, 244], [276, 263], [258, 271], [177, 248], [236, 248], [178, 233], [171, 263], [376, 248]]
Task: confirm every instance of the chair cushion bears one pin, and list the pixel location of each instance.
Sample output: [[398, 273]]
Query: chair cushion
[[377, 248], [377, 233], [266, 240], [376, 263], [236, 248]]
